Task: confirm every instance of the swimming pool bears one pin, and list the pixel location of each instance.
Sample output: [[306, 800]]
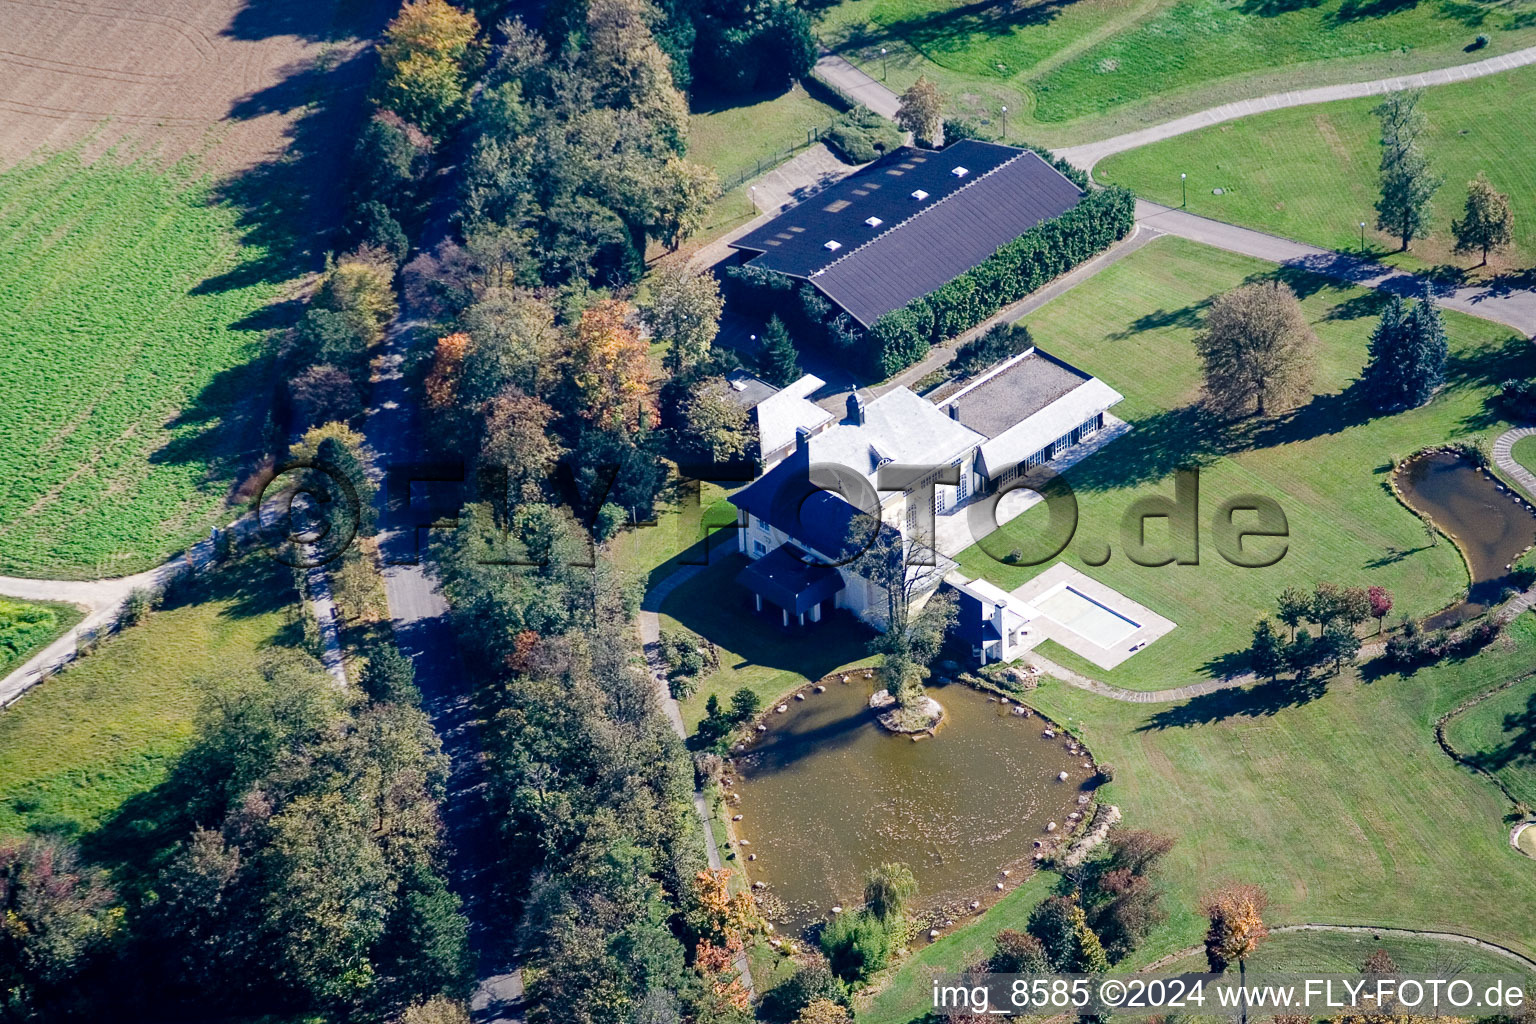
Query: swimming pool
[[1087, 617]]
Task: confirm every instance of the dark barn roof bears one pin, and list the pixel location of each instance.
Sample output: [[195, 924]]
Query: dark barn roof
[[917, 245]]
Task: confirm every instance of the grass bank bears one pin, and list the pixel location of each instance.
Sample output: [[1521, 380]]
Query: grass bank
[[76, 748], [1074, 72], [26, 627], [1326, 463], [1499, 735], [1310, 173], [134, 370], [1334, 797]]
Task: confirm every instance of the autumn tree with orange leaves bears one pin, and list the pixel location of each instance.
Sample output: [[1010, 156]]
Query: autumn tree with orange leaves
[[442, 382], [610, 367], [1237, 927]]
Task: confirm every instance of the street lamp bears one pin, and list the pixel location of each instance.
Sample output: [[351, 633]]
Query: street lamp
[[1005, 122], [1362, 238], [753, 189], [1184, 187], [882, 63]]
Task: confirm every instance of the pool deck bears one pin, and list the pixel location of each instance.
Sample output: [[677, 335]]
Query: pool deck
[[1150, 625]]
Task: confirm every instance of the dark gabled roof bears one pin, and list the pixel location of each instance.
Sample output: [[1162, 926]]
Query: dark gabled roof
[[1016, 392], [791, 579], [786, 499], [947, 239], [794, 242], [919, 245]]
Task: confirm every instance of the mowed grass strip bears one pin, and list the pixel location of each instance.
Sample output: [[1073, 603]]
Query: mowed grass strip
[[1500, 735], [75, 748], [1345, 952], [1524, 452], [1311, 173], [133, 382], [1326, 464], [1339, 803], [27, 627], [1075, 72]]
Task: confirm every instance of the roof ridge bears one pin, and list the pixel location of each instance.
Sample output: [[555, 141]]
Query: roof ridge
[[931, 206]]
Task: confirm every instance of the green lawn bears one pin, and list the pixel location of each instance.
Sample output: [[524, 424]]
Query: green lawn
[[649, 554], [905, 993], [756, 651], [131, 363], [27, 627], [1344, 953], [1311, 172], [1090, 69], [76, 747], [1524, 452], [742, 134], [1500, 735], [1336, 799], [1326, 464]]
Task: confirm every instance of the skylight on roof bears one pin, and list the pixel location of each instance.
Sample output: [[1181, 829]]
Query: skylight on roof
[[919, 195], [960, 172], [873, 222], [833, 245]]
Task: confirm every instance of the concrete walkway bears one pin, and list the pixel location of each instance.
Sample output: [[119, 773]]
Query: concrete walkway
[[1504, 458], [650, 637], [1513, 307], [318, 584], [853, 83], [102, 600], [1089, 154], [1361, 929]]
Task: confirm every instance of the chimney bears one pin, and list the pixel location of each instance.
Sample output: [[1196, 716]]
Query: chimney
[[855, 409], [954, 411], [802, 439]]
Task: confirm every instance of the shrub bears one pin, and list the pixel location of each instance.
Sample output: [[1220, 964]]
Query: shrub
[[389, 677], [1480, 42], [610, 519], [1522, 577], [680, 650], [323, 394], [745, 704], [857, 945], [373, 225], [681, 687], [998, 343], [810, 982], [861, 135], [141, 601], [958, 128], [1518, 398]]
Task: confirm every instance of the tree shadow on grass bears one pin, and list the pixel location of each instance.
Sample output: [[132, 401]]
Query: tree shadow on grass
[[1261, 701], [1520, 748], [287, 209], [950, 29]]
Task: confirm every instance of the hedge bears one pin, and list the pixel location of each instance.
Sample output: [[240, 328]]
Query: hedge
[[1048, 250], [903, 336]]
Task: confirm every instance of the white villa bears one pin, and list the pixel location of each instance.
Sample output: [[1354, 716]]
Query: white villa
[[820, 473]]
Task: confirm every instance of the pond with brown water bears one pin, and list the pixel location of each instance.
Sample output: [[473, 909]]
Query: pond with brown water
[[1490, 525], [826, 794]]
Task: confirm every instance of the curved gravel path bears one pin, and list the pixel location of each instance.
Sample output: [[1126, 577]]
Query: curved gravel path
[[1089, 154], [1360, 929], [650, 638], [1503, 457], [1514, 837]]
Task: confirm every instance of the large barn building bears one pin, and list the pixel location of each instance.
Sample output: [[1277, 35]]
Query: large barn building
[[909, 223]]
